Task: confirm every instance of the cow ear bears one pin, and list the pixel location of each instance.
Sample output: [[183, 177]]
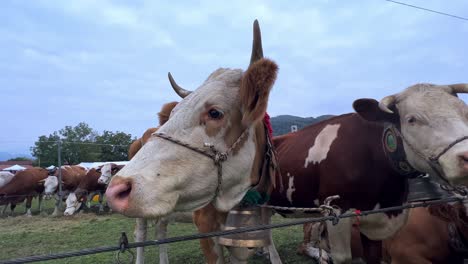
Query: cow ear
[[369, 110], [255, 88]]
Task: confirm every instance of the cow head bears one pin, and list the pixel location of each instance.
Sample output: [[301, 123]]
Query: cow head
[[50, 186], [107, 171], [433, 122], [73, 204], [165, 176]]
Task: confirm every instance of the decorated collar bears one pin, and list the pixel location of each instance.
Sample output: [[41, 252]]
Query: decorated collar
[[395, 152]]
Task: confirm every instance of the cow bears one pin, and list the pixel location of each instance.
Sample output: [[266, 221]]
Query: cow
[[71, 178], [223, 116], [24, 185], [212, 136], [90, 186], [436, 234]]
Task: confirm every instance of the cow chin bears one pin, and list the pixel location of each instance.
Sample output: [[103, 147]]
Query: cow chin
[[454, 163]]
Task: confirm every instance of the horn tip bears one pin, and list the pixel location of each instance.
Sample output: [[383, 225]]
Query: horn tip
[[385, 108]]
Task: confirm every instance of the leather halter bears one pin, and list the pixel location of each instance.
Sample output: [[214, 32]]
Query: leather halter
[[217, 156], [433, 160]]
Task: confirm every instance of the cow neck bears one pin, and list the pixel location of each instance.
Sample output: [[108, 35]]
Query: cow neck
[[433, 160], [265, 169], [394, 150]]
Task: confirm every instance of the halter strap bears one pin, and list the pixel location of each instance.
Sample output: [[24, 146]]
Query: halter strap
[[217, 156], [432, 161]]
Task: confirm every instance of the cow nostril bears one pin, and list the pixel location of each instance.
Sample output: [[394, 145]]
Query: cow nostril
[[463, 157], [124, 193]]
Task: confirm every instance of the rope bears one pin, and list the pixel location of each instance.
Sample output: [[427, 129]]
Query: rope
[[334, 218]]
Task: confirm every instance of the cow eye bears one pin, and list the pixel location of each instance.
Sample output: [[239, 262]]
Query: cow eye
[[215, 114], [411, 120]]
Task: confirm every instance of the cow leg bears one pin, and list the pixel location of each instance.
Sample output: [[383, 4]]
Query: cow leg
[[101, 205], [372, 250], [339, 237], [208, 220], [161, 233], [39, 198], [56, 209], [28, 206], [314, 244], [12, 208], [140, 236], [4, 209], [272, 252]]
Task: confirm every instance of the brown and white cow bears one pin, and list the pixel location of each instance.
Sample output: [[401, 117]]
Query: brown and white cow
[[24, 185], [71, 178], [90, 186]]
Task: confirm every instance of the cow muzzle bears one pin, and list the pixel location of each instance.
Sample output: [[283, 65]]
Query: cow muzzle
[[118, 194]]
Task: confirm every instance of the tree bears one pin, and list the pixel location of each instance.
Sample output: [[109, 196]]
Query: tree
[[20, 159], [45, 149], [76, 146], [114, 145], [81, 143]]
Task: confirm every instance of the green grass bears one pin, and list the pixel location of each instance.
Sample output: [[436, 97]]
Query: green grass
[[22, 236]]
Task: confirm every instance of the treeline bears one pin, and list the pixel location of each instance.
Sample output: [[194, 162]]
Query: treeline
[[81, 143]]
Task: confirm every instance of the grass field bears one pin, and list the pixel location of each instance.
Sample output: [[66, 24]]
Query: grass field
[[42, 234]]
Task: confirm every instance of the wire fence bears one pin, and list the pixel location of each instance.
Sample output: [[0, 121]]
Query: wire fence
[[123, 245]]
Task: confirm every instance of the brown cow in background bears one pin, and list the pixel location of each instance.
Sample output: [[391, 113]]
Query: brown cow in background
[[24, 185], [71, 178]]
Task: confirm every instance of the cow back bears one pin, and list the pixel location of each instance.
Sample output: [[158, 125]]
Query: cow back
[[26, 182]]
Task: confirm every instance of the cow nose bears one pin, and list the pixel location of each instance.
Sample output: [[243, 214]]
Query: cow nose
[[118, 193], [464, 160]]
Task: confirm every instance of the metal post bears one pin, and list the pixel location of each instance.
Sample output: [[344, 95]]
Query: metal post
[[59, 163]]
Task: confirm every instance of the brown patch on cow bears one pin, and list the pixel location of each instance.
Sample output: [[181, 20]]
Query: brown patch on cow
[[255, 89], [138, 144], [234, 131], [208, 219], [71, 177], [165, 112], [26, 182]]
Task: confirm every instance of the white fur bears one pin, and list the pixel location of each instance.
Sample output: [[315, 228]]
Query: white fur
[[319, 151], [441, 118], [380, 226], [72, 204], [5, 177], [291, 187], [106, 173], [50, 185], [339, 237]]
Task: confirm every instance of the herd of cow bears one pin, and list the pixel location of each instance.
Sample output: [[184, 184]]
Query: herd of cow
[[78, 185], [215, 146]]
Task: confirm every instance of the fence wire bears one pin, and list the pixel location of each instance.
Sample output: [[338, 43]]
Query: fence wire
[[122, 247]]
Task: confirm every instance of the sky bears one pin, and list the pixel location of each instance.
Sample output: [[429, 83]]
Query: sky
[[106, 62]]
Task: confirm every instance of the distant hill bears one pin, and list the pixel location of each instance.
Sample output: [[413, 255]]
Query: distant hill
[[6, 155], [282, 124]]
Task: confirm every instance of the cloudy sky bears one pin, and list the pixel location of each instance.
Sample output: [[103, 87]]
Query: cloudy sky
[[106, 62]]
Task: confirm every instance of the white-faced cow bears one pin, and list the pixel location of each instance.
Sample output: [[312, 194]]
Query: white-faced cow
[[71, 178], [24, 185], [222, 123]]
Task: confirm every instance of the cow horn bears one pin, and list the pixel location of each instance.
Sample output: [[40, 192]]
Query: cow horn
[[458, 88], [257, 50], [179, 90], [386, 103]]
